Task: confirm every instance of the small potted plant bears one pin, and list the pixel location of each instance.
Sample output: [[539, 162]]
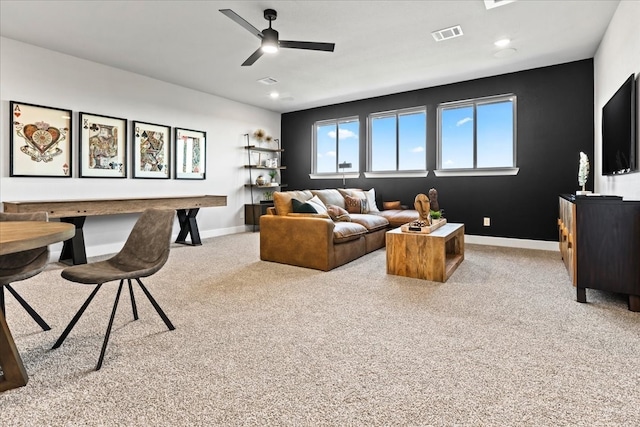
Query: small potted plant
[[273, 174]]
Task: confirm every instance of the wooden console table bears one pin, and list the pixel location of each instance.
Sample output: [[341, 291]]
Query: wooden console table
[[433, 256], [76, 211], [17, 236]]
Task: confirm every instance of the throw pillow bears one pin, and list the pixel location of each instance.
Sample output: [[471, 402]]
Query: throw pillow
[[302, 207], [338, 214], [355, 204], [392, 205], [371, 200], [317, 204]]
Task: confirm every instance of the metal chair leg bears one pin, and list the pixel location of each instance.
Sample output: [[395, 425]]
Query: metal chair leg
[[106, 337], [76, 317], [156, 306], [39, 320], [133, 301]]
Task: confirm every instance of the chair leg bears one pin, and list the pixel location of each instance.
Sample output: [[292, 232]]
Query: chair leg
[[106, 336], [156, 306], [39, 320], [76, 318], [133, 301]]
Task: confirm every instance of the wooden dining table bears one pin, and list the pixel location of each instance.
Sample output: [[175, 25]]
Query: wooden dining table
[[17, 236]]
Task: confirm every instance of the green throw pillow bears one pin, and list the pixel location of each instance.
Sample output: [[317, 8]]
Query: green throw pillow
[[301, 207]]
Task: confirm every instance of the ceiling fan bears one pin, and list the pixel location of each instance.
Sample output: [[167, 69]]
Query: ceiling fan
[[269, 37]]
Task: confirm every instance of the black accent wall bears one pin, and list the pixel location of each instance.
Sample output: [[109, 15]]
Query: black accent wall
[[555, 121]]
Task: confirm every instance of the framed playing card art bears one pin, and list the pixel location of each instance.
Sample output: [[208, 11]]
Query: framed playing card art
[[40, 141], [190, 154], [151, 150], [103, 146]]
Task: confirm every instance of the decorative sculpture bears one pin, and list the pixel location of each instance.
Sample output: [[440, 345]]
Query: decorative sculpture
[[583, 172], [433, 200], [422, 205]]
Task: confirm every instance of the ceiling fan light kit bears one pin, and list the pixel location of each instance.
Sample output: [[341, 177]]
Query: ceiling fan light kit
[[269, 38]]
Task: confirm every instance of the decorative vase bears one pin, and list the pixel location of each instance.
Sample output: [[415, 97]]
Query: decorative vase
[[261, 180]]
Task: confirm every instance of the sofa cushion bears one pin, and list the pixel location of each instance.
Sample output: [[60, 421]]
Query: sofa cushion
[[371, 222], [338, 214], [347, 231], [354, 204], [392, 205], [398, 217], [302, 207], [330, 197], [369, 196], [309, 215], [282, 200]]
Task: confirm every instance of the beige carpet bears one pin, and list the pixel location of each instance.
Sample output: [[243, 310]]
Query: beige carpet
[[502, 343]]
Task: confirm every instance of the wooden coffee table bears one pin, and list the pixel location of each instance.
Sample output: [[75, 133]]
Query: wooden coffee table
[[433, 256]]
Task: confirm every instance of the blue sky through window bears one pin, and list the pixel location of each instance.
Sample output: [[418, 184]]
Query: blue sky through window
[[409, 152], [494, 136], [337, 142]]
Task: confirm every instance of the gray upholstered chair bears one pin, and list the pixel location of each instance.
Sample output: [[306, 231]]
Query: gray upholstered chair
[[144, 253], [23, 265]]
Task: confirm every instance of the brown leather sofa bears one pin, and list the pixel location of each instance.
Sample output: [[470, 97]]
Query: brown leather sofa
[[316, 240]]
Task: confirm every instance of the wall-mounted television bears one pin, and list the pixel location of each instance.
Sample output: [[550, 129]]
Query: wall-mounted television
[[619, 143]]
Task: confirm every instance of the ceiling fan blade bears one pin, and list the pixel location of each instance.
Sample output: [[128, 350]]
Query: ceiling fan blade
[[326, 47], [238, 19], [253, 58]]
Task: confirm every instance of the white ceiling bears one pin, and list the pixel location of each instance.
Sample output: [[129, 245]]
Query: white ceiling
[[382, 47]]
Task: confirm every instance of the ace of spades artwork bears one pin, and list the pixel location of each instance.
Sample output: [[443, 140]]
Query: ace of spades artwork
[[152, 152]]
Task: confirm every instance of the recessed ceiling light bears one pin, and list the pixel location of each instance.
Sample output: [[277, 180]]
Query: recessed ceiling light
[[502, 42], [502, 53], [274, 95]]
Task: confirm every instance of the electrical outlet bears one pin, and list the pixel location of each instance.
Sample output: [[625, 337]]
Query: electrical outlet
[[487, 221]]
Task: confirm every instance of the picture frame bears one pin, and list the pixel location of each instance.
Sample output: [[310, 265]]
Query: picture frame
[[151, 156], [40, 141], [102, 149], [190, 154]]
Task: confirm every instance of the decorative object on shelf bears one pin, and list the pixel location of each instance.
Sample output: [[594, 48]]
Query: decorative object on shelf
[[271, 163], [103, 146], [260, 180], [190, 154], [40, 141], [583, 173], [273, 174], [267, 196], [259, 135], [343, 166]]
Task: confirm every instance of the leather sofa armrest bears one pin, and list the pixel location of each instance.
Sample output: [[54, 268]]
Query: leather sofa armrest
[[302, 241]]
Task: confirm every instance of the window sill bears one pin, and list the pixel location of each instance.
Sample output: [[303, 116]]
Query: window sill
[[477, 172], [346, 175], [397, 174]]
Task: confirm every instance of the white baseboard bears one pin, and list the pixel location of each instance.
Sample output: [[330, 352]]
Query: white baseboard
[[512, 243]]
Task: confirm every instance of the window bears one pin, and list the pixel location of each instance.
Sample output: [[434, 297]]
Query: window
[[398, 141], [477, 134], [336, 141]]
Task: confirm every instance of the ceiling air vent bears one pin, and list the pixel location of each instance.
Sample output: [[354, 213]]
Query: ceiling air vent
[[447, 33], [490, 4], [268, 81]]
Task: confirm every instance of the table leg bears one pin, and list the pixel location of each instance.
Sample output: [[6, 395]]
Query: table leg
[[73, 250], [14, 373], [188, 225]]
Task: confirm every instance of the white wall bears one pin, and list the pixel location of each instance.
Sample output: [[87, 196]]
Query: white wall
[[617, 57], [39, 76]]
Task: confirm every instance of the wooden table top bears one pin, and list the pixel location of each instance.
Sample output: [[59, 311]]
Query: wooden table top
[[16, 236]]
